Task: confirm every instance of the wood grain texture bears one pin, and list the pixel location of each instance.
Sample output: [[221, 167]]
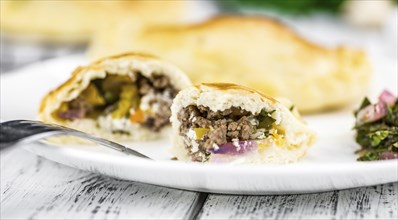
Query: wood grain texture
[[35, 188], [377, 202]]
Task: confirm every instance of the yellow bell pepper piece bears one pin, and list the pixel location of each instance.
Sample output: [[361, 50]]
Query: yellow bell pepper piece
[[201, 132], [128, 99], [91, 95]]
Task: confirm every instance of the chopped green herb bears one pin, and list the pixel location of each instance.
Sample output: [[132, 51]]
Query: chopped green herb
[[377, 137], [265, 119], [368, 157], [121, 132], [364, 104]]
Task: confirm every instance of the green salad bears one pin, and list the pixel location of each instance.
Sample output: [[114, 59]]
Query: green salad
[[377, 128]]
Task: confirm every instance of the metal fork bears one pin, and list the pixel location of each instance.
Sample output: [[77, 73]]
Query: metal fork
[[19, 132]]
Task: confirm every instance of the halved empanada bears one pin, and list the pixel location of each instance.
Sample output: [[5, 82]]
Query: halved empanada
[[231, 123], [125, 97]]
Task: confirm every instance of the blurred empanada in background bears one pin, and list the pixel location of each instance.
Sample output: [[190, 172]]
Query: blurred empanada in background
[[75, 21], [257, 52]]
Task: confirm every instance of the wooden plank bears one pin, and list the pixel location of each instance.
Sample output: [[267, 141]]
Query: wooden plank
[[35, 188], [377, 202]]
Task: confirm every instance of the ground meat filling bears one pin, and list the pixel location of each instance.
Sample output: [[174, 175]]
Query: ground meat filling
[[133, 98], [220, 126], [159, 93]]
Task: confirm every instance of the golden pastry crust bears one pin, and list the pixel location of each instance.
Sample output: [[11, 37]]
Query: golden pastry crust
[[231, 86], [76, 21], [257, 52], [122, 64]]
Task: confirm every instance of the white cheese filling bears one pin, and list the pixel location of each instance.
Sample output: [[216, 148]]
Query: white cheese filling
[[148, 104], [110, 124]]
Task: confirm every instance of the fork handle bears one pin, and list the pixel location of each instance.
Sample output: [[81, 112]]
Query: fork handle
[[8, 136], [13, 133]]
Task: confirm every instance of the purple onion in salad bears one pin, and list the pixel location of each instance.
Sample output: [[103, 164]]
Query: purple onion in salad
[[387, 97], [372, 113], [376, 111], [388, 155]]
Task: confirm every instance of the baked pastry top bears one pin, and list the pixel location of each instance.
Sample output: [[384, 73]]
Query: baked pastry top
[[257, 52]]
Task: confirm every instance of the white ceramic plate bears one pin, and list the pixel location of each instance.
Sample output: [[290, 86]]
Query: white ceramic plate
[[329, 165]]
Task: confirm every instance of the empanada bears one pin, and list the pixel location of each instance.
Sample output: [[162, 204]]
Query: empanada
[[223, 122], [125, 97], [76, 20], [257, 52]]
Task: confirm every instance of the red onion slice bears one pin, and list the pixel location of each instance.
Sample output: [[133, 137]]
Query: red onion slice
[[229, 148], [388, 155], [387, 97], [72, 114], [372, 113]]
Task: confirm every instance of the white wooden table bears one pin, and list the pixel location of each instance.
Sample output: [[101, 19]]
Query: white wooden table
[[36, 188]]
